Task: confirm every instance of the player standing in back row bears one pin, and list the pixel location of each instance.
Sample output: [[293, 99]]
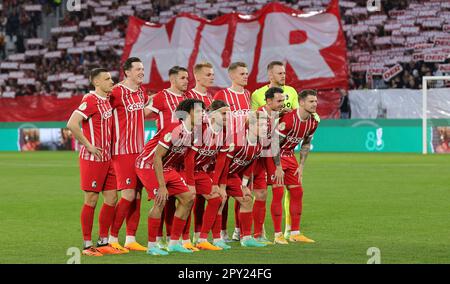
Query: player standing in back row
[[238, 99], [128, 100], [276, 73]]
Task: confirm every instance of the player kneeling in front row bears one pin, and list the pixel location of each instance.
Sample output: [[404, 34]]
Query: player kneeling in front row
[[96, 171], [240, 162], [158, 167]]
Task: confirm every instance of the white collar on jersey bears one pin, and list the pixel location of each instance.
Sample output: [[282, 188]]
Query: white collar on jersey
[[100, 97], [239, 93], [185, 128], [120, 84], [298, 114], [172, 93], [201, 94]]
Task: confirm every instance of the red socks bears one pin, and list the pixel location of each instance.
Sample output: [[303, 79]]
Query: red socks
[[225, 214], [276, 208], [122, 209], [210, 216], [169, 209], [246, 223], [177, 228], [237, 207], [187, 228], [87, 219], [259, 214], [295, 207], [105, 219], [153, 226], [217, 226], [134, 214]]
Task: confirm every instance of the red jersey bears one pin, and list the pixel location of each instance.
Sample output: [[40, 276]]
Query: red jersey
[[206, 98], [293, 129], [239, 103], [175, 138], [164, 103], [97, 125], [128, 127], [243, 156]]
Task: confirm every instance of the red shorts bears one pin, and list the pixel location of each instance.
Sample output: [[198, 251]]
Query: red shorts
[[174, 182], [97, 176], [125, 173], [203, 182], [290, 166], [260, 175], [234, 185]]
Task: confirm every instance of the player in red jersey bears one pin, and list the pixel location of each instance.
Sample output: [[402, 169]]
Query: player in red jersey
[[128, 100], [200, 159], [241, 159], [165, 102], [163, 105], [96, 171], [294, 128], [274, 98], [204, 78], [238, 98], [158, 168]]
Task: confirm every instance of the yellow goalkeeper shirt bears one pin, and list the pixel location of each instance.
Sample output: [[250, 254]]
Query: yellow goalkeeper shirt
[[259, 98]]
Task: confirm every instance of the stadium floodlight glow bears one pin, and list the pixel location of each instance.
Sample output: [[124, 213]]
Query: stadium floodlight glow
[[425, 79]]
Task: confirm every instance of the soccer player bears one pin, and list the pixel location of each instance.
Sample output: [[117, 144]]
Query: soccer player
[[200, 157], [158, 168], [274, 104], [277, 78], [293, 128], [204, 78], [128, 100], [164, 104], [238, 171], [238, 98], [96, 171]]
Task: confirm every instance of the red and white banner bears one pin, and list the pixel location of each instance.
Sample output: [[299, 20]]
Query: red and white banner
[[444, 68], [435, 57], [392, 72], [312, 45]]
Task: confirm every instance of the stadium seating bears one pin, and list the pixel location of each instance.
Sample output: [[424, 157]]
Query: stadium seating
[[402, 33]]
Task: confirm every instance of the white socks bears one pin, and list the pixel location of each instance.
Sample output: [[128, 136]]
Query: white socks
[[113, 239], [294, 233], [87, 244], [130, 239]]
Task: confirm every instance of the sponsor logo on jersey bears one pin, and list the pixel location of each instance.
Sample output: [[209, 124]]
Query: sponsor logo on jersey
[[107, 114], [240, 112], [178, 150], [294, 139], [208, 153], [135, 106], [241, 162]]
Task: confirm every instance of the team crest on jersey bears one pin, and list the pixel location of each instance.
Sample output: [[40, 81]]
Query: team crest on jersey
[[155, 191], [167, 137], [282, 126], [128, 181], [94, 184], [231, 149], [83, 106]]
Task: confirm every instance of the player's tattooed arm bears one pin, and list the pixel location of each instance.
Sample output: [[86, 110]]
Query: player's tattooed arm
[[304, 150]]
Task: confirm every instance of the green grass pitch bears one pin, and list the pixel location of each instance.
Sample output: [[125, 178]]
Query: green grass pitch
[[399, 203]]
